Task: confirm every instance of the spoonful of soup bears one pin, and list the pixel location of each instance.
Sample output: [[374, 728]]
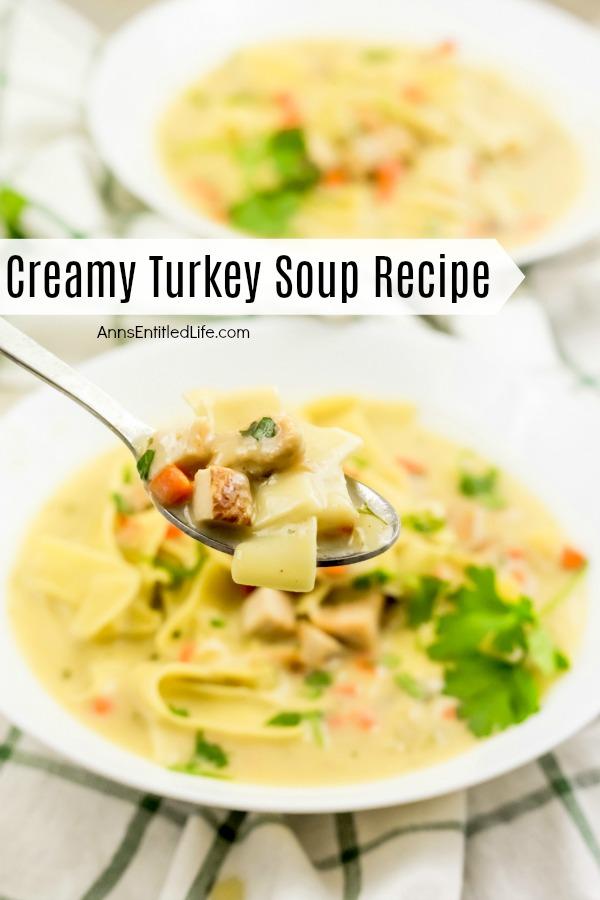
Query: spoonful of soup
[[242, 476]]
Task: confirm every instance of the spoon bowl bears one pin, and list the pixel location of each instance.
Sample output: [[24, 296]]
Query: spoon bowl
[[378, 520]]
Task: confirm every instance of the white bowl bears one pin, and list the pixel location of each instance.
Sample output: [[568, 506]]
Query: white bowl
[[546, 434], [161, 51]]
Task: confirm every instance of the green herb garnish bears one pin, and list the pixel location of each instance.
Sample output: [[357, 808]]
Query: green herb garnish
[[424, 522], [374, 578], [127, 475], [317, 681], [144, 464], [421, 595], [122, 506], [378, 54], [12, 206], [195, 767], [291, 719], [268, 212], [491, 650], [216, 622], [483, 487], [211, 753], [178, 573], [366, 510], [411, 686], [179, 711], [261, 428]]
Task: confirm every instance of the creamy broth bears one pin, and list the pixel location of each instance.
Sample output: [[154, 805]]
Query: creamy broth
[[338, 138], [138, 632]]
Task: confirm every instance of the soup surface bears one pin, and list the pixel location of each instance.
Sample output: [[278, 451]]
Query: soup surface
[[393, 664], [338, 138]]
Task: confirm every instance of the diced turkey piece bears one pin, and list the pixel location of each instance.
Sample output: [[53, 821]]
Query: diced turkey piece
[[355, 623], [189, 447], [258, 458], [135, 497], [222, 495], [268, 613], [316, 647]]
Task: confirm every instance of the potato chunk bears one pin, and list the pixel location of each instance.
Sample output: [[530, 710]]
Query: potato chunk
[[189, 447], [355, 623], [262, 456], [316, 647], [268, 613], [222, 495], [284, 558]]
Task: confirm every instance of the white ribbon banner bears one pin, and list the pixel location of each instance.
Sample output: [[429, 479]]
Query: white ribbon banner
[[241, 276]]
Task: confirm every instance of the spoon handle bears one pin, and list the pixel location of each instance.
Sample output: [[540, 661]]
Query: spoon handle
[[26, 352]]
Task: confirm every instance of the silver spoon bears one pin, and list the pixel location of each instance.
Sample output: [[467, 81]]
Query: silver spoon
[[27, 353]]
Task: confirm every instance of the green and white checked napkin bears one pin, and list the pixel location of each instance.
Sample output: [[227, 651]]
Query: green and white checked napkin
[[66, 834]]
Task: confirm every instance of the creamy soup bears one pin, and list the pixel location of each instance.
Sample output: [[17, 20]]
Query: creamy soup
[[333, 139], [396, 663]]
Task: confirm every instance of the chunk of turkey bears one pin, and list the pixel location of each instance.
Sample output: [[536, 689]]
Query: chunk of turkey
[[268, 613], [355, 623], [258, 458]]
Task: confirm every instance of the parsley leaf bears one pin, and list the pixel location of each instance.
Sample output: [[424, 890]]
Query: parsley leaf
[[421, 596], [122, 506], [544, 654], [481, 620], [483, 487], [366, 510], [177, 571], [267, 212], [492, 694], [12, 206], [291, 159], [491, 650], [374, 578], [261, 428], [424, 522], [317, 681], [144, 463], [211, 753], [179, 711], [286, 719], [411, 686]]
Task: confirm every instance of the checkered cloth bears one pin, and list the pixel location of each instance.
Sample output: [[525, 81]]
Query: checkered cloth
[[66, 834]]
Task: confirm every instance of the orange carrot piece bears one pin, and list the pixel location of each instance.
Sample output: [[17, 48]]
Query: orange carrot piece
[[186, 652], [171, 486], [364, 719], [413, 466], [173, 532], [335, 178], [288, 106], [571, 559], [387, 176], [414, 93], [345, 689], [102, 705]]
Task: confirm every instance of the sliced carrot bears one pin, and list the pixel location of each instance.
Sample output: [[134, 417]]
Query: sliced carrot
[[445, 48], [413, 466], [414, 93], [387, 176], [345, 689], [186, 652], [571, 559], [173, 532], [171, 486], [335, 571], [102, 705], [288, 106], [335, 178], [365, 664], [515, 553], [449, 712], [364, 719], [208, 194]]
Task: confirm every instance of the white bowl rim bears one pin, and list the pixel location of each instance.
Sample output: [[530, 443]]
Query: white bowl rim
[[553, 242], [125, 767]]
